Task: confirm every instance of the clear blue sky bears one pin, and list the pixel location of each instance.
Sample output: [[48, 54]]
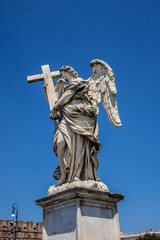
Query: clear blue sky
[[125, 34]]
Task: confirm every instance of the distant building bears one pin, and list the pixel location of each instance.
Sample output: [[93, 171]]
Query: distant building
[[134, 236], [29, 230]]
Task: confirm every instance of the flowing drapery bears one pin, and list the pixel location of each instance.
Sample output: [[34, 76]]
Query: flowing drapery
[[79, 128]]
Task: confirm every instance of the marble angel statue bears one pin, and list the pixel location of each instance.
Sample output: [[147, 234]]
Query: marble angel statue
[[75, 139]]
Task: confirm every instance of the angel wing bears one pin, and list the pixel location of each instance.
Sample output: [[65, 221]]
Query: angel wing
[[59, 87], [102, 88]]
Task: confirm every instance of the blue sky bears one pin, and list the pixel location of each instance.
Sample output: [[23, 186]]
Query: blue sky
[[125, 34]]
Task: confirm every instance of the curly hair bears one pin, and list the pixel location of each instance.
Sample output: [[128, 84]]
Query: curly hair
[[69, 70]]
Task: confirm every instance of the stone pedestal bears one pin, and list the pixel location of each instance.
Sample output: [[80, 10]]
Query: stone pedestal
[[80, 214]]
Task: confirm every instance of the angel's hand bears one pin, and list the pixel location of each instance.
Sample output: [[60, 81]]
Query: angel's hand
[[54, 114]]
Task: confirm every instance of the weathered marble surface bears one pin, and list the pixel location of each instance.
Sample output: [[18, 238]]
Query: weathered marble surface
[[76, 142], [73, 102], [80, 214]]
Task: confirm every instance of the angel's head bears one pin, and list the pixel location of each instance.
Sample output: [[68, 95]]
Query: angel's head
[[68, 73]]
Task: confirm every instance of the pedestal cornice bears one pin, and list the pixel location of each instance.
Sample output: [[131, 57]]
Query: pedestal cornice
[[79, 192]]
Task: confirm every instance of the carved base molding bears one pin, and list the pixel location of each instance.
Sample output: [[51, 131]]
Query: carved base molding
[[80, 214]]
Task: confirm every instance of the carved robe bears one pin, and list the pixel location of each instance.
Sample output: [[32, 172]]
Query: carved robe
[[79, 128]]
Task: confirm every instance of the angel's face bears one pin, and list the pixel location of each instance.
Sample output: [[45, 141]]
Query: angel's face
[[95, 69], [66, 76]]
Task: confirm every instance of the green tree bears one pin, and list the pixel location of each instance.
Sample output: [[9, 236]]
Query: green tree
[[148, 236]]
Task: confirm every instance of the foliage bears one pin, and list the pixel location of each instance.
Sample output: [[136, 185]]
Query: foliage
[[148, 236]]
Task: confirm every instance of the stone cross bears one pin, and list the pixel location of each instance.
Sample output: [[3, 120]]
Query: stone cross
[[47, 77]]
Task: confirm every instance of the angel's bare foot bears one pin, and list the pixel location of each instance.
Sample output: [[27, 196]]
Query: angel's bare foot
[[60, 182], [77, 179]]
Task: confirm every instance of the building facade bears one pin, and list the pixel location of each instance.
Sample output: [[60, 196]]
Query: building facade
[[134, 236], [29, 230]]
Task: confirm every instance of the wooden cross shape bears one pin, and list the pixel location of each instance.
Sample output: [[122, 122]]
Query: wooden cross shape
[[47, 77]]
